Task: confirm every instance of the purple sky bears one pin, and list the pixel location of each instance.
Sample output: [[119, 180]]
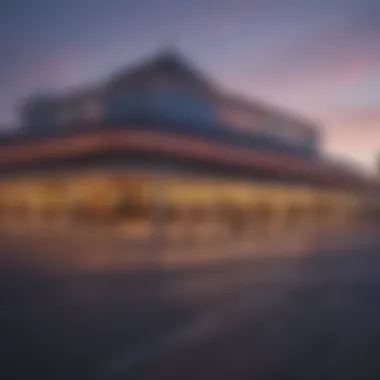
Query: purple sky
[[320, 58]]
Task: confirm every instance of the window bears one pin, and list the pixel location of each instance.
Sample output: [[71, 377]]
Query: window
[[66, 115], [91, 109], [241, 118]]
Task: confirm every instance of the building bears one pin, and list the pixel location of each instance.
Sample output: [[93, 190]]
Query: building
[[159, 147]]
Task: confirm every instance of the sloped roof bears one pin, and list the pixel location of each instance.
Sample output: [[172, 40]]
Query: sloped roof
[[169, 62]]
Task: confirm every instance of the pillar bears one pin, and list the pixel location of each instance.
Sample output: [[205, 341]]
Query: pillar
[[277, 224], [308, 221], [35, 218], [207, 222], [189, 231], [158, 213]]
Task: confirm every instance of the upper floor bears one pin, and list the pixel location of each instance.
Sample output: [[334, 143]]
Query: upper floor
[[167, 92]]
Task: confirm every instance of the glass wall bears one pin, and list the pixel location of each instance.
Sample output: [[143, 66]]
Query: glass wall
[[139, 202]]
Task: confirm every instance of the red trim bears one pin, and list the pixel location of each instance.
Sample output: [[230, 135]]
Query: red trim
[[175, 145]]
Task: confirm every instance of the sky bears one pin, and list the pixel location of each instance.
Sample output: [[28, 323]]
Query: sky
[[319, 58]]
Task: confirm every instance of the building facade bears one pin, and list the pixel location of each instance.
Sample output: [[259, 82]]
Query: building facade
[[159, 148]]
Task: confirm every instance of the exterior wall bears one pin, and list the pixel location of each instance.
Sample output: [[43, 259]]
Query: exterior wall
[[120, 220], [103, 197], [189, 110], [41, 115], [163, 104], [181, 106], [125, 104], [268, 126], [84, 109], [50, 115]]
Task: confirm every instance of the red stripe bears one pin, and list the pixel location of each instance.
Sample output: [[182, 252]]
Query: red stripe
[[175, 145]]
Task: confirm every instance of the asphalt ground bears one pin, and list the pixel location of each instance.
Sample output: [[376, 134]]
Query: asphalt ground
[[311, 316]]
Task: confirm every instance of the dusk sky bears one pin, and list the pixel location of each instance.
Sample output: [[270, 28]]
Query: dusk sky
[[320, 58]]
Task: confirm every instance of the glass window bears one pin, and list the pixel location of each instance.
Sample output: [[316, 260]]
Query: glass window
[[92, 109]]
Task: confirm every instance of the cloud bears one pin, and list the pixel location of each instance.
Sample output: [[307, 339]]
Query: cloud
[[315, 68], [308, 49], [354, 133], [362, 117]]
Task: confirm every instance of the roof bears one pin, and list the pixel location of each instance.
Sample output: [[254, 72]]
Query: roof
[[166, 62]]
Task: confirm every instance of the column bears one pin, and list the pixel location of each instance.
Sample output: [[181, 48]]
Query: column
[[158, 214], [277, 225], [35, 217], [188, 225]]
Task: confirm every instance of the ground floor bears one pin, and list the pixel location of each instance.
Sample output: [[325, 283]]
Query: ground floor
[[144, 203]]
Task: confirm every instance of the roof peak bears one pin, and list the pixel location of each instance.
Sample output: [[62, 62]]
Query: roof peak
[[168, 60], [169, 56], [168, 51]]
